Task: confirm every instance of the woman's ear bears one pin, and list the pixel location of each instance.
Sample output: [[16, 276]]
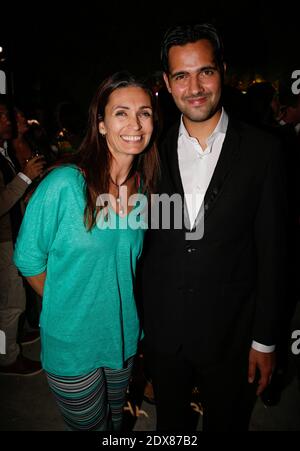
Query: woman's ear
[[101, 127]]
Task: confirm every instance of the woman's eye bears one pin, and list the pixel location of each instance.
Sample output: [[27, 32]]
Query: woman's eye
[[146, 114], [120, 113]]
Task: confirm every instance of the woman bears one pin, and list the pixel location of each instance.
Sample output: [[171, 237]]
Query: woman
[[89, 323]]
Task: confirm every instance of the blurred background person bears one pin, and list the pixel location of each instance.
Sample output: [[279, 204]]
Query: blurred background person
[[70, 124], [13, 184]]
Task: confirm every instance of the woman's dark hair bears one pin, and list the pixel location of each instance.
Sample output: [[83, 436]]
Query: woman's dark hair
[[93, 156], [185, 34]]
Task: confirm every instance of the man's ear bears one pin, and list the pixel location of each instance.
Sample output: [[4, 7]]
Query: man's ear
[[166, 79]]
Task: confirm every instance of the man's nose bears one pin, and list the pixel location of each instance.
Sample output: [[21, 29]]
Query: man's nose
[[196, 86]]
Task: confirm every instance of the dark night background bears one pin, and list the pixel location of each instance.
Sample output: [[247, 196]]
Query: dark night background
[[61, 52]]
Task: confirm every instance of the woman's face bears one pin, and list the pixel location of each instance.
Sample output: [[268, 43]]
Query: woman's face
[[128, 121]]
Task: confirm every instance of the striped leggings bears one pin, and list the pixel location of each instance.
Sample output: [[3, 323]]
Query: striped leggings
[[95, 401]]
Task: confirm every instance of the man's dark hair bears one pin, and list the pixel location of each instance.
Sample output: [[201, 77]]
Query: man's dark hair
[[184, 34]]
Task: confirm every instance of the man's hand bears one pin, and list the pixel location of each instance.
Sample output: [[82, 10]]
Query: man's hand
[[265, 363], [34, 167]]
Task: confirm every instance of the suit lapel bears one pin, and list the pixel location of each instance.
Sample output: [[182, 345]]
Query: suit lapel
[[225, 164], [171, 166]]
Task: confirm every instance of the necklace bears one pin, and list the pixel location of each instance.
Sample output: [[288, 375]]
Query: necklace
[[118, 185]]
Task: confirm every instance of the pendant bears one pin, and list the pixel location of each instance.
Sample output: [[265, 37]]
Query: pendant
[[118, 200]]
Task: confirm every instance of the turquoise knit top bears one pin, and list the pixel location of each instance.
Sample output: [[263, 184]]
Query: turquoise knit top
[[89, 317]]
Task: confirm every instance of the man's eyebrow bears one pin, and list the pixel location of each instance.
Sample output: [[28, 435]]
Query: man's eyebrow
[[211, 67], [200, 69]]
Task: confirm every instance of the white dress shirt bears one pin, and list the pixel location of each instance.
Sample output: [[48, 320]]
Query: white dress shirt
[[197, 165], [196, 168]]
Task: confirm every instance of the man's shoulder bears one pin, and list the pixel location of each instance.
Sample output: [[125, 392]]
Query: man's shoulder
[[170, 135], [168, 144], [241, 127], [251, 133], [255, 143]]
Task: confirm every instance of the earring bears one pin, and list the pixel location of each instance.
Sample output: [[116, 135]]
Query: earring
[[103, 134]]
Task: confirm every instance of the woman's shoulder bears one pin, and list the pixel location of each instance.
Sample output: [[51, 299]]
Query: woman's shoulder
[[60, 179], [64, 173], [63, 176]]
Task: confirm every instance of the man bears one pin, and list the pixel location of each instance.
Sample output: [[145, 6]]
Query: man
[[212, 305], [12, 294]]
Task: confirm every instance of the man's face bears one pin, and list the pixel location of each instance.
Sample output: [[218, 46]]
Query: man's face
[[5, 124], [194, 80]]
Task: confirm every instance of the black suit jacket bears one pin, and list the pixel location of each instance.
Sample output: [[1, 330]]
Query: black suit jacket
[[217, 294]]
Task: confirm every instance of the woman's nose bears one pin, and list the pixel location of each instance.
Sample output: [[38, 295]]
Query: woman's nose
[[135, 122]]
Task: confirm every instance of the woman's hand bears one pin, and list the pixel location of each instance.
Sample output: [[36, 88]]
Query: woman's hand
[[37, 282]]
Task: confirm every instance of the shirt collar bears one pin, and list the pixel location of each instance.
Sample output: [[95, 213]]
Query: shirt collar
[[221, 127], [296, 127], [3, 149]]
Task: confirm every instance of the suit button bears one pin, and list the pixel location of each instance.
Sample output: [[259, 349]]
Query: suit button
[[191, 290]]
